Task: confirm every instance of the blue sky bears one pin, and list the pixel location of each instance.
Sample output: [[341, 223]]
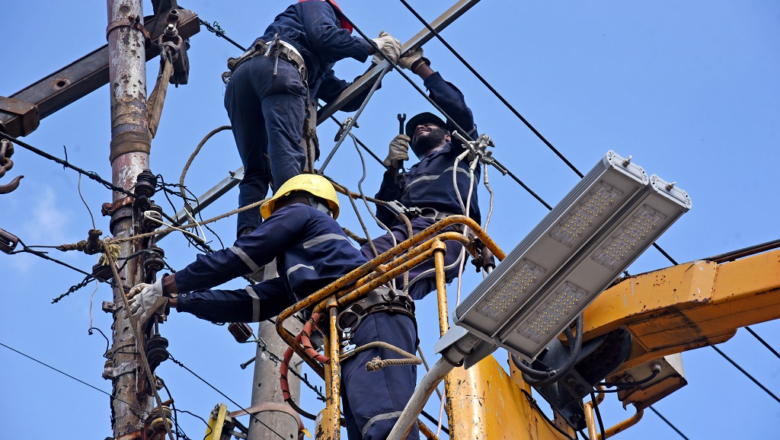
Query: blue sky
[[689, 89]]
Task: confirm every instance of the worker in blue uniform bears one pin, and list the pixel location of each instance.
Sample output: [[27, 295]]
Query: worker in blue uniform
[[272, 83], [311, 251], [428, 184]]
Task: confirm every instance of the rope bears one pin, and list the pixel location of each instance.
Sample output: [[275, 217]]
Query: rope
[[378, 363], [358, 239], [189, 225]]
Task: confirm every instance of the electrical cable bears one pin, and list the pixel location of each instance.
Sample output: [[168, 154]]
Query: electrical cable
[[560, 155], [217, 30], [755, 381], [333, 118], [598, 414], [91, 174], [769, 347], [498, 95], [74, 378], [363, 197], [224, 395], [40, 254], [432, 419], [668, 423]]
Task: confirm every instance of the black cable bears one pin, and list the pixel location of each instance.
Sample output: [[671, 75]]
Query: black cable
[[769, 347], [76, 379], [668, 423], [91, 174], [755, 381], [598, 414], [512, 109], [224, 395], [399, 70], [361, 144], [86, 281], [27, 249], [219, 32], [551, 147], [108, 344], [434, 420], [498, 95], [583, 435]]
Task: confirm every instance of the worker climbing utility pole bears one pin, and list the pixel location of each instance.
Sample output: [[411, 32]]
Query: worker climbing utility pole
[[130, 145]]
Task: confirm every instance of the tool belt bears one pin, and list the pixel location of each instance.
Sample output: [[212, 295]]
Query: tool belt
[[381, 299], [277, 48]]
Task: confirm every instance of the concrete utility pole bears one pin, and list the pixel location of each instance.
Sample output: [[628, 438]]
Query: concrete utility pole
[[130, 145], [265, 384]]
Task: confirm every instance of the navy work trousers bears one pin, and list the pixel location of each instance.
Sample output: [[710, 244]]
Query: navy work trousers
[[374, 400], [425, 273], [267, 114]]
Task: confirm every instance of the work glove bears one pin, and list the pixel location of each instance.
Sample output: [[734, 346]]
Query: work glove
[[412, 59], [145, 300], [398, 151], [389, 46]]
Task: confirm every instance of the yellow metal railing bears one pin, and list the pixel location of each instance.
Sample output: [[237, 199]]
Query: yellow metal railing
[[355, 285]]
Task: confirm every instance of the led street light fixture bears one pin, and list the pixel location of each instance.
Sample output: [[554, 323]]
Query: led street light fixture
[[613, 215]]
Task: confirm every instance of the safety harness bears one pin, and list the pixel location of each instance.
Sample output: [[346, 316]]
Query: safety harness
[[276, 48], [381, 299]]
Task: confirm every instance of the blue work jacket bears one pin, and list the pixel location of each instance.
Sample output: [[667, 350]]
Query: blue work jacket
[[428, 183], [311, 251], [314, 29]]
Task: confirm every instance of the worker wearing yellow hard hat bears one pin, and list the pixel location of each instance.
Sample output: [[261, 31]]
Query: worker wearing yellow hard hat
[[311, 251]]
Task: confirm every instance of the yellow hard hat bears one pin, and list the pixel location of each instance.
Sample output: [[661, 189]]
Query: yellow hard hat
[[313, 184]]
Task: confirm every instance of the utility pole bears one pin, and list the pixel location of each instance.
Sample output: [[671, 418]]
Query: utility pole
[[265, 383], [130, 145]]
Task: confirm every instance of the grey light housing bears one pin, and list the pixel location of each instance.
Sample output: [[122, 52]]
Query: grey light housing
[[610, 218]]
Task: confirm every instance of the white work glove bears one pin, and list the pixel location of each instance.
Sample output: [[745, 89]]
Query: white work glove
[[412, 59], [145, 300], [398, 151], [389, 46]]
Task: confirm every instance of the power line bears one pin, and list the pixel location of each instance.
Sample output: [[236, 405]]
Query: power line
[[487, 84], [769, 347], [558, 153], [74, 378], [217, 30], [64, 162], [224, 395], [669, 423], [755, 381]]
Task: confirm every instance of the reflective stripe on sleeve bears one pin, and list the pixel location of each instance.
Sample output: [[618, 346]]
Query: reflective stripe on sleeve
[[322, 239], [245, 258], [424, 178], [255, 304], [296, 267]]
